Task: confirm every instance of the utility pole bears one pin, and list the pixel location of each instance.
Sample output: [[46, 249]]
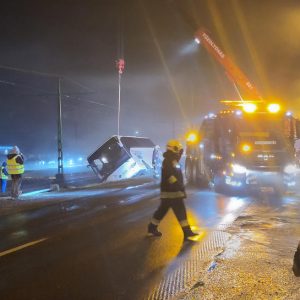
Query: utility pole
[[173, 130], [60, 172], [120, 66], [119, 104], [60, 163]]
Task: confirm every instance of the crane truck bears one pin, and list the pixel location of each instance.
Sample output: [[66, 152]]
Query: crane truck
[[248, 145]]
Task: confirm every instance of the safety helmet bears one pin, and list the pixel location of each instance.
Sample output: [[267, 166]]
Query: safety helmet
[[174, 146], [14, 150]]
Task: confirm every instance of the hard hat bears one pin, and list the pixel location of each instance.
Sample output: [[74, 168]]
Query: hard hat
[[174, 146], [14, 150]]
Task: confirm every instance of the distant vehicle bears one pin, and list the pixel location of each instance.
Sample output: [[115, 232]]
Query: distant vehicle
[[123, 157], [241, 149]]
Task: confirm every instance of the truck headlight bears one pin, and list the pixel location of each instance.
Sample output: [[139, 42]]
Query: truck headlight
[[238, 169], [290, 169]]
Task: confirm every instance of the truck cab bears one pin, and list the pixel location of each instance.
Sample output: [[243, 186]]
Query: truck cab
[[242, 150]]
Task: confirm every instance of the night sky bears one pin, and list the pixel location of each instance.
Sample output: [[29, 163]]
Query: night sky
[[169, 83]]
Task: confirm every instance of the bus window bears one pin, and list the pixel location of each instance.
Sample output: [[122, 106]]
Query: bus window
[[98, 163]]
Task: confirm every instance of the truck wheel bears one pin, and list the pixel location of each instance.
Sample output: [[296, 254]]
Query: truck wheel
[[218, 184]]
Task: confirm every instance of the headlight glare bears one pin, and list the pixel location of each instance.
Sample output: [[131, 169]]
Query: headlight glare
[[238, 169], [290, 169]]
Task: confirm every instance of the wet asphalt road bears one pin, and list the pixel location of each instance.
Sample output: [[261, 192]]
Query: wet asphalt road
[[96, 247]]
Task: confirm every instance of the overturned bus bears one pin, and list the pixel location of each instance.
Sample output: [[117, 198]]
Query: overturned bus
[[124, 157]]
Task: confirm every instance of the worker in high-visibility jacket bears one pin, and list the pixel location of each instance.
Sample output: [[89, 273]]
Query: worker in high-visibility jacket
[[3, 177], [15, 168], [172, 191]]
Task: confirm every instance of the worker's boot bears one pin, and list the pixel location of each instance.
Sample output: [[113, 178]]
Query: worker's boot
[[188, 233], [153, 231]]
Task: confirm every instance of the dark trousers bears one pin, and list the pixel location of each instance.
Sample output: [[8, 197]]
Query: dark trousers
[[178, 207], [16, 181]]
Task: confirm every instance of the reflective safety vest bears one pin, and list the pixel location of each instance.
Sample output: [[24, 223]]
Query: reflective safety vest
[[13, 167], [171, 186], [2, 175], [172, 195]]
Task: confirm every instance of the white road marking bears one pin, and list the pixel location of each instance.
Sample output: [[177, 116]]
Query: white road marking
[[9, 251], [36, 192]]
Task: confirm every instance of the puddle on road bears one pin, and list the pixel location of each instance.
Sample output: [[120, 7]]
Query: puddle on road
[[257, 224], [231, 248]]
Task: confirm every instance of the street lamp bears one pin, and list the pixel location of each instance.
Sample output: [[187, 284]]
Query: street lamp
[[197, 40]]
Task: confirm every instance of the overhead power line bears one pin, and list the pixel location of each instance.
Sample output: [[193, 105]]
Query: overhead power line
[[49, 75], [69, 96]]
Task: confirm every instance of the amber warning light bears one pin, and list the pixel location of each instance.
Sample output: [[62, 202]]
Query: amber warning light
[[249, 107], [246, 148], [192, 137], [273, 108]]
